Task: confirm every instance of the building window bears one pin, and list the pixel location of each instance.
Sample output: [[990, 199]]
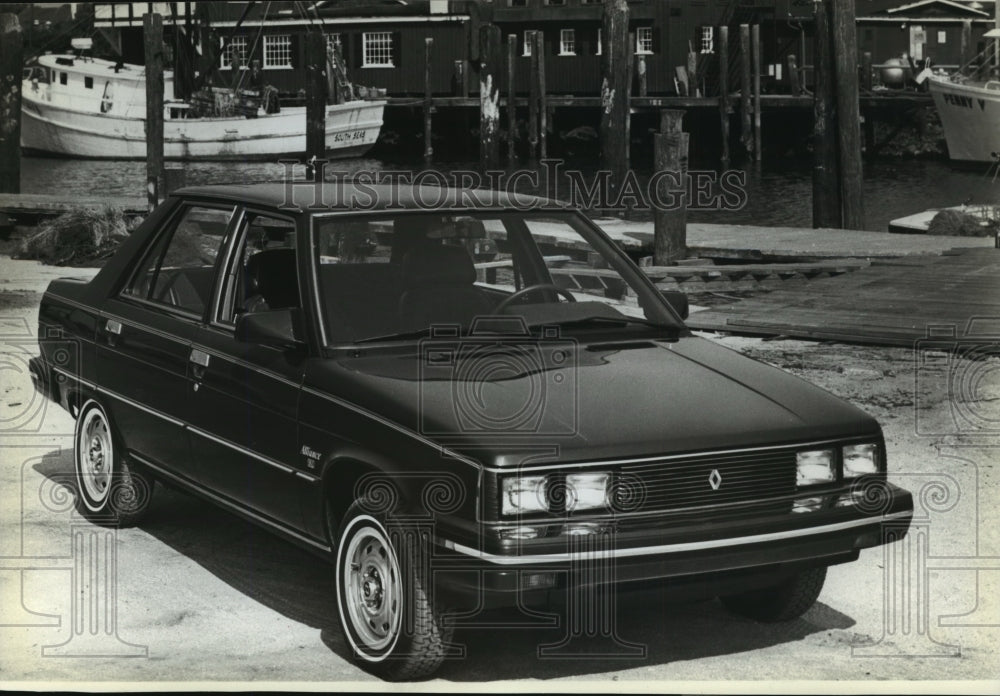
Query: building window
[[377, 49], [278, 51], [555, 2], [529, 39], [708, 39], [567, 42], [600, 43], [644, 40], [334, 44], [235, 54], [942, 37], [518, 3]]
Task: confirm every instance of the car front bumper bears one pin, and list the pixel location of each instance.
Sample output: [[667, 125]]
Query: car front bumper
[[705, 559]]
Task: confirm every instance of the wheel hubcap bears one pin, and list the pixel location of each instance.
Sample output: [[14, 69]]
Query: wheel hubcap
[[371, 588], [95, 456]]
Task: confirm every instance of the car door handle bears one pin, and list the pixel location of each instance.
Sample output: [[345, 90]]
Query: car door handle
[[199, 361], [114, 329]]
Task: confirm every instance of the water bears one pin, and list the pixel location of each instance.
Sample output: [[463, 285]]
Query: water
[[780, 194]]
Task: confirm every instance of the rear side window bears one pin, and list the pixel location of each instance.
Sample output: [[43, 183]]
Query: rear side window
[[179, 269]]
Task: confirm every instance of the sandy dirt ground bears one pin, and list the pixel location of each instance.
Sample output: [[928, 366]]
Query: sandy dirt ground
[[195, 594]]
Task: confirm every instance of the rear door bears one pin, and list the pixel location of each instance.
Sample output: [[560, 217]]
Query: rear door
[[244, 408], [146, 333]]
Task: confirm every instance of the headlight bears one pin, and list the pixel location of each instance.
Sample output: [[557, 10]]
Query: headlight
[[524, 494], [814, 467], [587, 491], [860, 460]]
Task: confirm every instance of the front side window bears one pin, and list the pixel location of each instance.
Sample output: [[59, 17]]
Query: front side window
[[393, 277], [235, 53], [644, 40], [377, 47], [567, 42], [278, 51], [179, 270], [263, 274]]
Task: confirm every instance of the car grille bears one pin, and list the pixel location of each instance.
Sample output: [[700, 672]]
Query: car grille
[[686, 482]]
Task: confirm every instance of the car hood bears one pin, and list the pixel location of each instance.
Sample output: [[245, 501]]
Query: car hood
[[502, 405]]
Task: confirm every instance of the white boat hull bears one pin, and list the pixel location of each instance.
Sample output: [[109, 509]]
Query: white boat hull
[[351, 129], [970, 115]]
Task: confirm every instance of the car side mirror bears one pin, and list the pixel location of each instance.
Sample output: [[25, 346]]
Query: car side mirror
[[677, 300], [281, 328]]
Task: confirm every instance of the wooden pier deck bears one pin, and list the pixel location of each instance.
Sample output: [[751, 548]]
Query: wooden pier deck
[[892, 302], [35, 205]]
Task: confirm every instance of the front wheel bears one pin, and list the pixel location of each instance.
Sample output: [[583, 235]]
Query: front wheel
[[383, 598], [785, 601], [110, 489]]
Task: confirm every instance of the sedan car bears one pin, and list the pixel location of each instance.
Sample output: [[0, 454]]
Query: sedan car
[[477, 402]]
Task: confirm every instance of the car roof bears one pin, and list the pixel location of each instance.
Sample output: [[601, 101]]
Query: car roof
[[348, 195]]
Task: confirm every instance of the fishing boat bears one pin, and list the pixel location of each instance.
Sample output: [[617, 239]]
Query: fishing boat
[[74, 105], [968, 103]]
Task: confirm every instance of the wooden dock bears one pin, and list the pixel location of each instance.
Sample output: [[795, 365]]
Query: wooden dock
[[892, 302], [33, 206]]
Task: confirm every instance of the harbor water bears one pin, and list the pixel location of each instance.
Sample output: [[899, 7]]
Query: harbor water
[[777, 194]]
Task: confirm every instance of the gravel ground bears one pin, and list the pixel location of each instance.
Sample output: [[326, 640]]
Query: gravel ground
[[198, 595]]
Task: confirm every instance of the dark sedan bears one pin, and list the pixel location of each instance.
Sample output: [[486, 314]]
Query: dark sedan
[[459, 398]]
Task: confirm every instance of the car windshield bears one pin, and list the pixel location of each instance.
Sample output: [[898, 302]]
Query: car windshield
[[395, 277]]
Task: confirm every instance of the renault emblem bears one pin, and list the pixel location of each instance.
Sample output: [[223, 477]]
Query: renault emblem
[[715, 479]]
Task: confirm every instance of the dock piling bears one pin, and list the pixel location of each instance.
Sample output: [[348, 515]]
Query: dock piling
[[845, 52], [966, 42], [755, 43], [316, 96], [746, 134], [511, 98], [11, 54], [543, 106], [640, 69], [615, 83], [152, 26], [825, 179], [533, 97], [428, 109], [793, 75], [724, 92], [670, 221], [489, 95]]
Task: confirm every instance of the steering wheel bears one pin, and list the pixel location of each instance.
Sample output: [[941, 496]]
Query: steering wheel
[[513, 297]]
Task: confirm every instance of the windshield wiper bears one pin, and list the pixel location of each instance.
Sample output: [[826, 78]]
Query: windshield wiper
[[401, 336], [610, 321]]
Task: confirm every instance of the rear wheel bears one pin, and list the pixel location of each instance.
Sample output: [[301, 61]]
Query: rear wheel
[[386, 610], [785, 601], [110, 489]]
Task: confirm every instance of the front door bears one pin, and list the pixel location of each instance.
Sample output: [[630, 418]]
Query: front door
[[146, 333]]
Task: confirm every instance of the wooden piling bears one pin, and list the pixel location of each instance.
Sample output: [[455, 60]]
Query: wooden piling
[[670, 223], [793, 75], [615, 93], [428, 102], [460, 84], [316, 96], [755, 43], [533, 98], [746, 134], [11, 61], [694, 88], [511, 98], [826, 184], [152, 27], [489, 96], [543, 102], [965, 44], [724, 92], [866, 85], [845, 56]]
